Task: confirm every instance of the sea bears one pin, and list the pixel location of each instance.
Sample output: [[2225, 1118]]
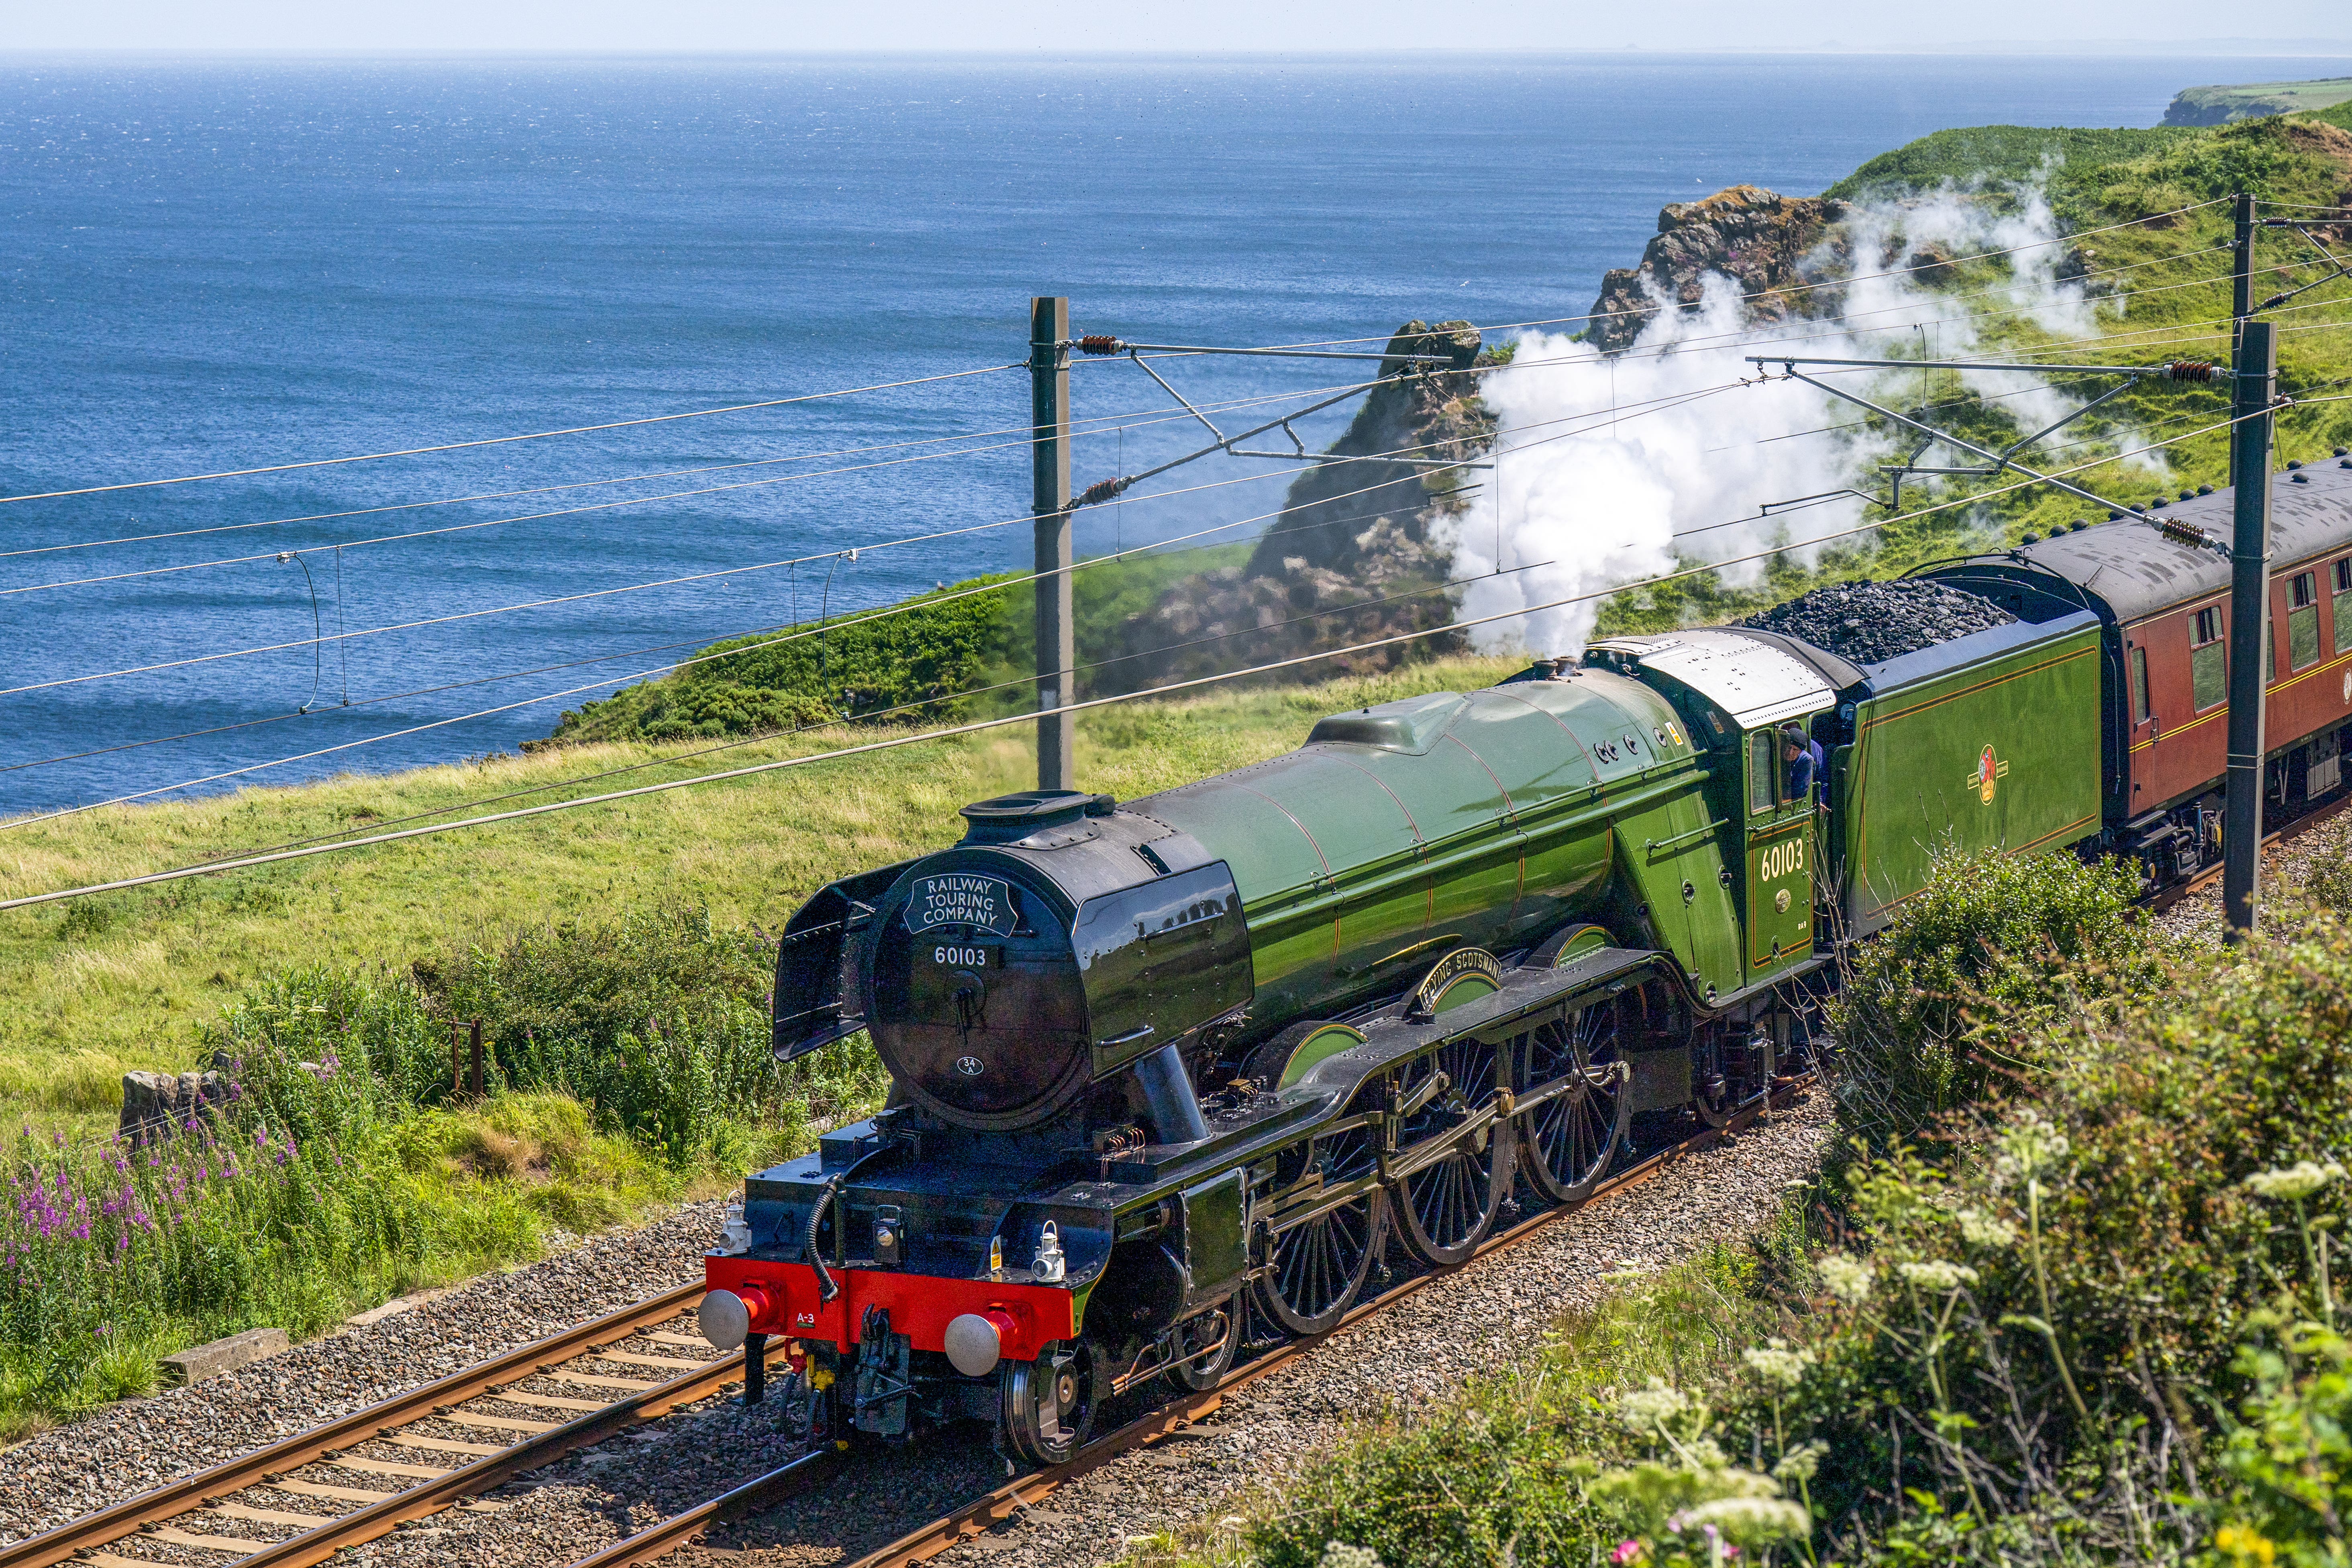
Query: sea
[[654, 344]]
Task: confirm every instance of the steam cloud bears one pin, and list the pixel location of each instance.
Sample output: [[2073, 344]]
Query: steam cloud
[[1608, 472]]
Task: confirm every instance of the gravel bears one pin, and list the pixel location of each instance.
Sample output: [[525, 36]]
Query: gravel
[[1867, 622], [1419, 1351], [132, 1447], [2285, 864]]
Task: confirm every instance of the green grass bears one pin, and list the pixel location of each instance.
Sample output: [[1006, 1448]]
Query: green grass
[[1979, 155], [616, 954], [91, 990]]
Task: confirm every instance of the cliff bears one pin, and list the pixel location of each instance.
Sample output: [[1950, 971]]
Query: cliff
[[2220, 105], [1755, 237]]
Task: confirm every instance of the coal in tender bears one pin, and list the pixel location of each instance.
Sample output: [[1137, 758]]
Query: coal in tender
[[1866, 622]]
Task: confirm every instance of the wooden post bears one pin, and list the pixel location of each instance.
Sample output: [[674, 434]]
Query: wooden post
[[475, 1079]]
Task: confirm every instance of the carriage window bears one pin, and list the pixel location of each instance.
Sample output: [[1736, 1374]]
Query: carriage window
[[2208, 663], [2343, 606], [2303, 620], [2139, 685], [1763, 771]]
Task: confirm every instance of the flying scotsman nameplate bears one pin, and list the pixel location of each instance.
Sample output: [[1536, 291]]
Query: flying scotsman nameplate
[[959, 899]]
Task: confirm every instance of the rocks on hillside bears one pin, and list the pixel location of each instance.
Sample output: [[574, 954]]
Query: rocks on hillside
[[164, 1101], [1341, 563], [1755, 237], [1866, 622]]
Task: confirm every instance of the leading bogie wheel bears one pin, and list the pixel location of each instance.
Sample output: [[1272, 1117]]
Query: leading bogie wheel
[[1566, 1142], [1444, 1209], [1046, 1406], [1205, 1346]]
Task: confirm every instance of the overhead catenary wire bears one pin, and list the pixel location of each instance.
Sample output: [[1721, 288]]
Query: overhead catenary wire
[[978, 726], [703, 577], [1328, 461], [507, 440], [1021, 682], [1134, 419], [823, 627]]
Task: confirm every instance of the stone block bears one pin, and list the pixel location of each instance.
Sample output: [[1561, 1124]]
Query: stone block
[[200, 1362]]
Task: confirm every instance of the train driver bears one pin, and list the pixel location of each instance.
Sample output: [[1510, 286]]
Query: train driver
[[1807, 764]]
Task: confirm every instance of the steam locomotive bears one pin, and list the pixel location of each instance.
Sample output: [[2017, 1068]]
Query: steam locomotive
[[1167, 1067]]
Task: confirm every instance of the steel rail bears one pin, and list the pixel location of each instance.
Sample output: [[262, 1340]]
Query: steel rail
[[977, 1517], [81, 1538], [2171, 897]]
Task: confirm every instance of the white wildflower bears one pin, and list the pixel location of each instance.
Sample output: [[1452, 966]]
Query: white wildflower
[[1777, 1364], [1849, 1278], [1338, 1554], [1750, 1521], [1800, 1462], [2027, 1149], [1647, 1410], [1937, 1274], [2298, 1182], [1982, 1229]]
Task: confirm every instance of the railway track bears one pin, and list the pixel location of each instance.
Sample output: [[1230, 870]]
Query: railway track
[[2173, 897], [211, 1512], [433, 1473], [983, 1513]]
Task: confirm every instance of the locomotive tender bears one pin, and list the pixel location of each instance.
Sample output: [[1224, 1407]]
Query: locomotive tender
[[1165, 1066]]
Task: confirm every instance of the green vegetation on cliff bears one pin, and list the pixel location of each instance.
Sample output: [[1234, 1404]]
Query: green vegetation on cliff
[[2217, 105]]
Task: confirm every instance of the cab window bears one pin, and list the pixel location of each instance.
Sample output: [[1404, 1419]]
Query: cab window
[[1763, 771]]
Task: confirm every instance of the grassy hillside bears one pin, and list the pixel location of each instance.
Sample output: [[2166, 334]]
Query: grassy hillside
[[90, 989], [962, 651], [2216, 105]]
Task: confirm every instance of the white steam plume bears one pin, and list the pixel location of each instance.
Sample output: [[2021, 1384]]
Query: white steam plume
[[1606, 470]]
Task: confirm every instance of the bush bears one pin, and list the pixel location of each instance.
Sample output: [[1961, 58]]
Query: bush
[[929, 652], [659, 1022], [1943, 1005], [1497, 1475]]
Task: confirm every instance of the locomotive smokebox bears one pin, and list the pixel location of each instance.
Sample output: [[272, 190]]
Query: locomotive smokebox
[[1059, 944]]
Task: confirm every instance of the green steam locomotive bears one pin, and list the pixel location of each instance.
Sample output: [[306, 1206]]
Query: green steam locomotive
[[1169, 1067]]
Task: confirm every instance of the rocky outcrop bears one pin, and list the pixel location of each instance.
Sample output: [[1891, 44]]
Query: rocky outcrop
[[1755, 237], [166, 1102], [1354, 557]]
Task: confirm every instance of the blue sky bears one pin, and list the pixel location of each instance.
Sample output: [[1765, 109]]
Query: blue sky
[[1060, 26]]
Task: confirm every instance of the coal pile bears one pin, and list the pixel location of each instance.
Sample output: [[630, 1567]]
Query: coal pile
[[1865, 622]]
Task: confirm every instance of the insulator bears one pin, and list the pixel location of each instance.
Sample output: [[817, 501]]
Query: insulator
[[2180, 532], [1098, 343], [1101, 490], [2190, 370]]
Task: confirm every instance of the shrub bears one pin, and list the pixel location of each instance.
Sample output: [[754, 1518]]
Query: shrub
[[1943, 1004], [659, 1022]]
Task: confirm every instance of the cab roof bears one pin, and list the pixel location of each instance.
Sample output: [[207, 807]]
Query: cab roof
[[1756, 683]]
